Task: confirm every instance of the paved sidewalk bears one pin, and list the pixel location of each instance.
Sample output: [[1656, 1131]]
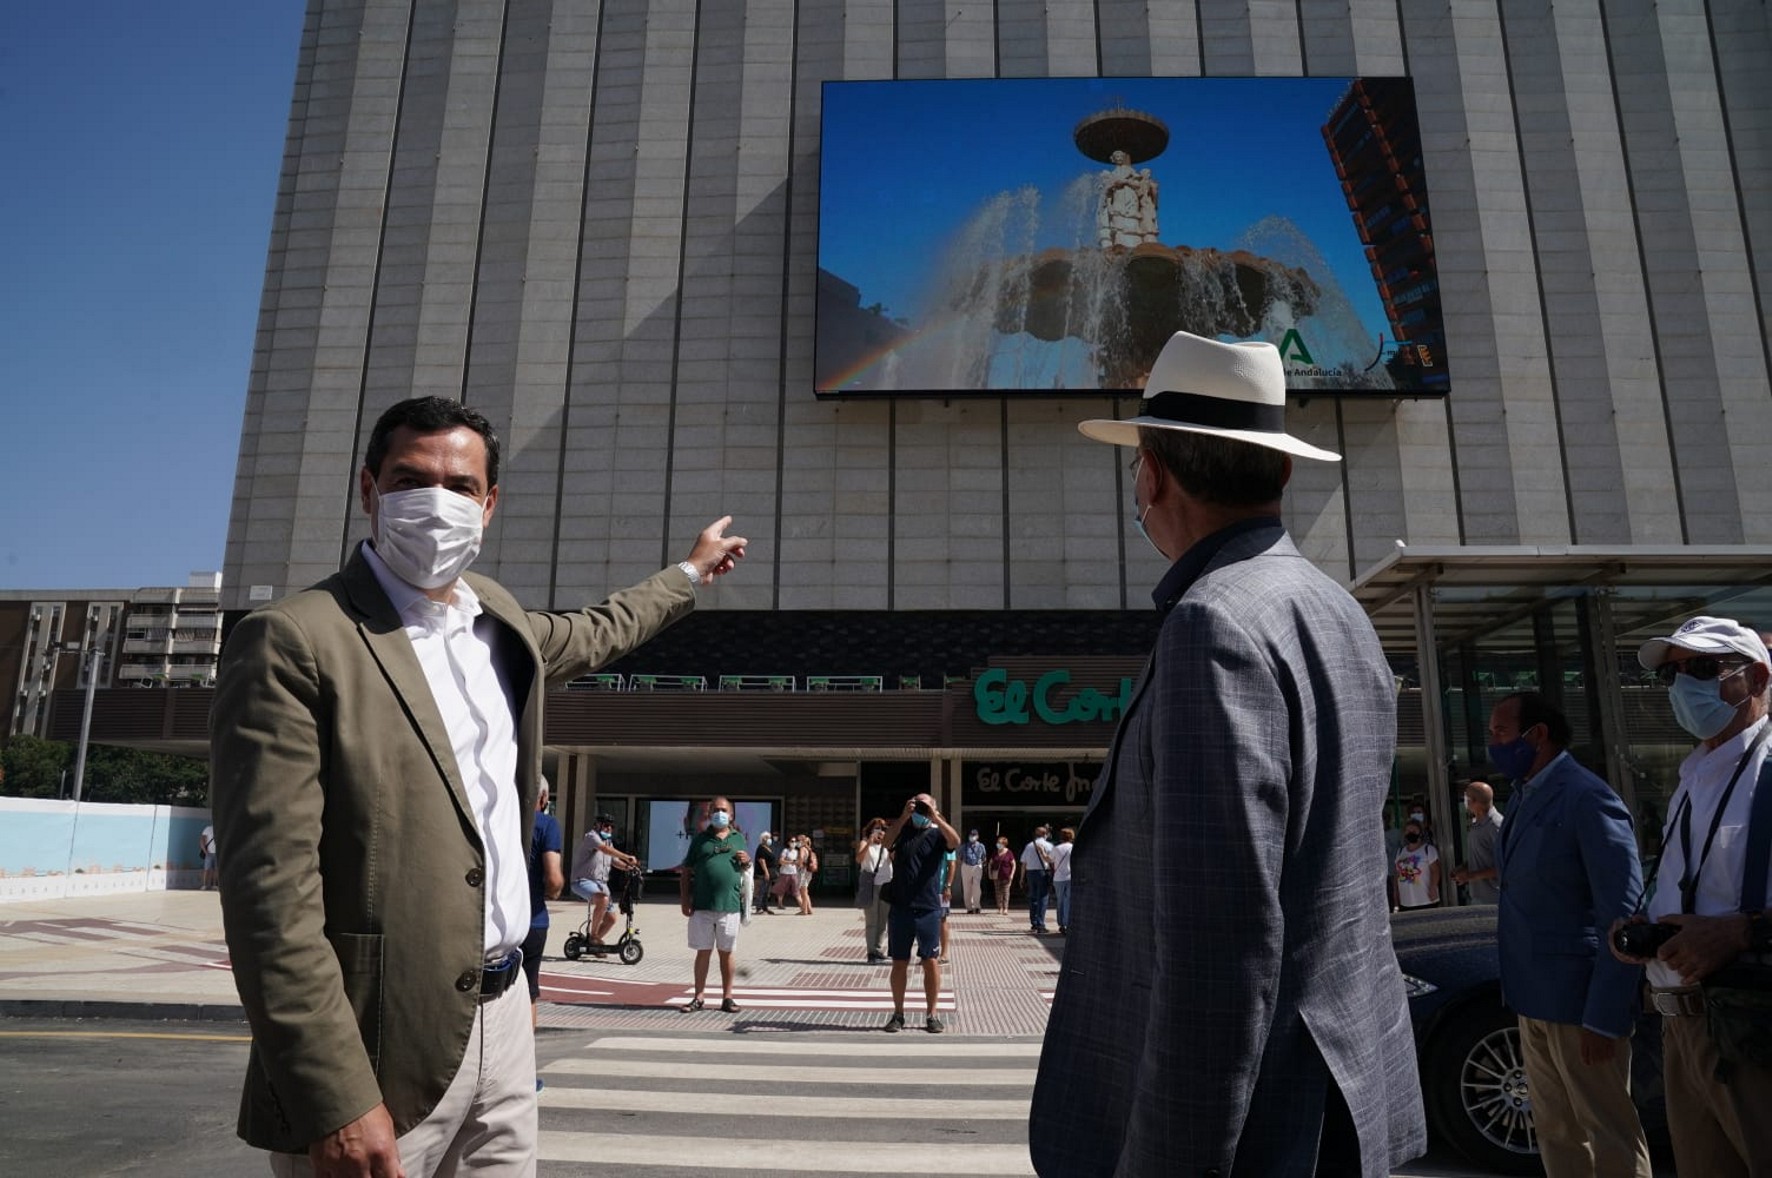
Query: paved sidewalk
[[161, 955]]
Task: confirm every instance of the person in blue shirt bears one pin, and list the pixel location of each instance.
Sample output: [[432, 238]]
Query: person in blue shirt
[[972, 857], [921, 841], [546, 881]]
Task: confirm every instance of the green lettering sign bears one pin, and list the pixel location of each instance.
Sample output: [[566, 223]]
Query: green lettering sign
[[998, 699]]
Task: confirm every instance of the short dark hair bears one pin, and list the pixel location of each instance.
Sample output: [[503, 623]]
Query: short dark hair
[[430, 415], [1536, 710], [1218, 470]]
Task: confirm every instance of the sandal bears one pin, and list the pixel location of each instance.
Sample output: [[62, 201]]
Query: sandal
[[729, 1006], [693, 1005]]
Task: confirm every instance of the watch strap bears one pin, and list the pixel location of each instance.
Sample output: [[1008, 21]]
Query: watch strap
[[690, 571]]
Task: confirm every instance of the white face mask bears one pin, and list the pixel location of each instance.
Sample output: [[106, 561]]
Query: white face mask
[[427, 536]]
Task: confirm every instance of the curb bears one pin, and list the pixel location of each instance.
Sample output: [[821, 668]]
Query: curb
[[200, 1012]]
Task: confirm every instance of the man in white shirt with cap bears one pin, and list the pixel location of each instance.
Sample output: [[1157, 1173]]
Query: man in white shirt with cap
[[1717, 672]]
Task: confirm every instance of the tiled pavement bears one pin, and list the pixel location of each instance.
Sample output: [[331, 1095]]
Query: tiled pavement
[[162, 952]]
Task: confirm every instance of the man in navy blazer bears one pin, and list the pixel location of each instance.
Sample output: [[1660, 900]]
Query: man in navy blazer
[[1229, 1000], [1568, 861]]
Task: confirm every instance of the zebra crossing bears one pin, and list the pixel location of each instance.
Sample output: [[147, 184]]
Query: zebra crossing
[[757, 1101]]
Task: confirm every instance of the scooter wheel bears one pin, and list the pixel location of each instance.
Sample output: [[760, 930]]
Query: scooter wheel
[[575, 947], [632, 952]]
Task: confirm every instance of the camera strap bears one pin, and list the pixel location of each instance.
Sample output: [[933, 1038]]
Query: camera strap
[[1689, 874]]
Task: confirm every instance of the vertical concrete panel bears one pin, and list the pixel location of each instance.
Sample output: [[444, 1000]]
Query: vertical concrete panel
[[521, 335], [1376, 494], [1328, 31], [1227, 38], [1720, 262], [406, 231], [452, 250], [1741, 36], [1021, 40], [606, 397], [1316, 504], [1127, 39], [836, 505], [1438, 65], [287, 317], [970, 40], [1070, 39], [1066, 509], [321, 489], [922, 38], [948, 505], [1375, 27], [1275, 46], [1650, 102], [1175, 45]]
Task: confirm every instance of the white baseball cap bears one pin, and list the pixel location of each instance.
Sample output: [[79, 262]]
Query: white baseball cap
[[1706, 635]]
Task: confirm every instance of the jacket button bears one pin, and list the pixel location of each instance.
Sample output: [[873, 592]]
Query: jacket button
[[475, 877], [468, 980]]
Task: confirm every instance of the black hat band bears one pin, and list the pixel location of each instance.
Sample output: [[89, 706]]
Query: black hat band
[[1216, 412]]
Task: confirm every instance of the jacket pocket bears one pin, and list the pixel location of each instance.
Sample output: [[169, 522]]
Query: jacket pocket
[[360, 961]]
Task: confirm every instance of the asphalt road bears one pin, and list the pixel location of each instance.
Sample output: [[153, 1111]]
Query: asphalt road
[[157, 1100]]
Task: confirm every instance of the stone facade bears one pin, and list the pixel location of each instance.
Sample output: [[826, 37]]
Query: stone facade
[[597, 223]]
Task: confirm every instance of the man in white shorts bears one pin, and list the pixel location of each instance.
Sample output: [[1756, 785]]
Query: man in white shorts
[[712, 878], [590, 875]]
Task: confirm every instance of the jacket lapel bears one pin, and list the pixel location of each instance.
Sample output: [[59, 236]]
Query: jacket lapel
[[1526, 815], [386, 639]]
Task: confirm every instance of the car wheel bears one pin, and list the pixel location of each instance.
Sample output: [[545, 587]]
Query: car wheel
[[1475, 1089]]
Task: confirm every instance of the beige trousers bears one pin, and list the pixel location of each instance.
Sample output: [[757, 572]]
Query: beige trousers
[[1587, 1125], [1719, 1130], [486, 1123]]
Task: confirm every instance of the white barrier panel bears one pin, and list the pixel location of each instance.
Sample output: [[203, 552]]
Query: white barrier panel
[[50, 849]]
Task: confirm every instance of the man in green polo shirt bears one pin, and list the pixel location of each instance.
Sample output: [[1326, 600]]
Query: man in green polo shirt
[[711, 877]]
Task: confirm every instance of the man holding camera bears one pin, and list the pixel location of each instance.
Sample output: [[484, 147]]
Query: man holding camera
[[1709, 948], [920, 840], [1568, 861]]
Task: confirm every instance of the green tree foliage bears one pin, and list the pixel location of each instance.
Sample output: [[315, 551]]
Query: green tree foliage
[[34, 768]]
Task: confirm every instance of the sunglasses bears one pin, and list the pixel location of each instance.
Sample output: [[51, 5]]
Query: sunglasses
[[1701, 666]]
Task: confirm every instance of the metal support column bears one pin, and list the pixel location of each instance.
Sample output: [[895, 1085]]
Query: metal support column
[[1440, 808], [1605, 694]]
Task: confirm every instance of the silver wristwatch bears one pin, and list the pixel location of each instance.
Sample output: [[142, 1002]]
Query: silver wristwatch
[[690, 571]]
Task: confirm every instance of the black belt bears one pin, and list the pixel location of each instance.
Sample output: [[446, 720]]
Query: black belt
[[496, 979]]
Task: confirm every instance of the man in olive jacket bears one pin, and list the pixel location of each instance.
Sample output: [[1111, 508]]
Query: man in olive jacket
[[375, 746]]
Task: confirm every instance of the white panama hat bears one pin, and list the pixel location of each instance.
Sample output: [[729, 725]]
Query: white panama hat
[[1199, 385]]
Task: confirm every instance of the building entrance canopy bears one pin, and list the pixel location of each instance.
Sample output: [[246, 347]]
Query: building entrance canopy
[[1465, 626]]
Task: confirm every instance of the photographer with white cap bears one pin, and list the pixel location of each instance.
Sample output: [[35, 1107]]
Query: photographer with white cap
[[1709, 946]]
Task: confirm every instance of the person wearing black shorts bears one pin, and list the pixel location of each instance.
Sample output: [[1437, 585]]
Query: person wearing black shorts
[[920, 842]]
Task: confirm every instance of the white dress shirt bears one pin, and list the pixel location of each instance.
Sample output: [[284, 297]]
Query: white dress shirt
[[456, 644], [1704, 775]]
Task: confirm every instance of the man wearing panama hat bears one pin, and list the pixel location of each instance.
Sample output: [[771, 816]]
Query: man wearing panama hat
[[1229, 996]]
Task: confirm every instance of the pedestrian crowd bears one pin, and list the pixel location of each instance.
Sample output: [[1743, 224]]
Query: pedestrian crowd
[[1228, 1000]]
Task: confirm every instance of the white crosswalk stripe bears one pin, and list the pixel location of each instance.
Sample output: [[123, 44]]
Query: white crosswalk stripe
[[846, 1103]]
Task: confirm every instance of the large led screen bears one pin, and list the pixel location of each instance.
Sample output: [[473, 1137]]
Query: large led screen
[[1043, 235], [672, 823]]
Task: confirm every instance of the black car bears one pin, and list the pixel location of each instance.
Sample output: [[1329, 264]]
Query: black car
[[1467, 1044]]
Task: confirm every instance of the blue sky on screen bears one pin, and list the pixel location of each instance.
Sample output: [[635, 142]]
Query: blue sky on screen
[[906, 164], [142, 143]]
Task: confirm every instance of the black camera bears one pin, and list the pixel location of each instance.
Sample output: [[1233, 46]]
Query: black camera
[[1643, 940]]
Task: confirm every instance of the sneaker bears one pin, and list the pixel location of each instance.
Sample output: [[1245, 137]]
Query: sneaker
[[932, 1024], [895, 1024], [876, 958], [729, 1006]]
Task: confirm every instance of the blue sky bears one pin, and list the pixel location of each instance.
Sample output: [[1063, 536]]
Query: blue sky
[[142, 144], [906, 164]]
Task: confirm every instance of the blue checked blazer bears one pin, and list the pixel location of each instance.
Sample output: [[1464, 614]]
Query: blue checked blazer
[[1568, 860], [1229, 978]]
